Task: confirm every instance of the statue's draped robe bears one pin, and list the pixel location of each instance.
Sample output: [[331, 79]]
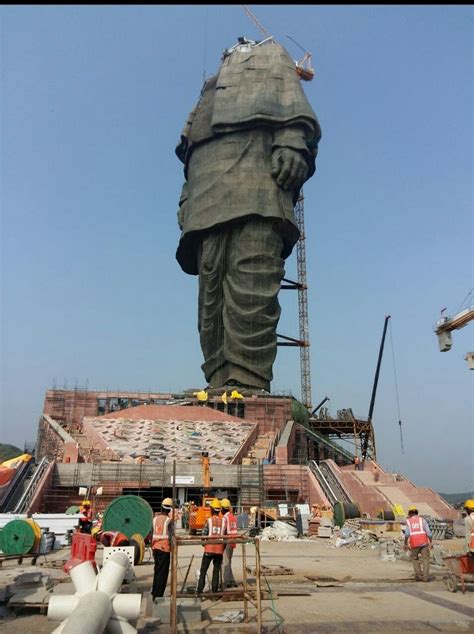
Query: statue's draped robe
[[237, 224]]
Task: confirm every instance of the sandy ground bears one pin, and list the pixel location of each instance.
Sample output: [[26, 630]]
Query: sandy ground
[[331, 590]]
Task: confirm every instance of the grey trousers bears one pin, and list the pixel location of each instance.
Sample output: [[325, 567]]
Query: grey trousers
[[421, 557], [228, 575], [240, 271]]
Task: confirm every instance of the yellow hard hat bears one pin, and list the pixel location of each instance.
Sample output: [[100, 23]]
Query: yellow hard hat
[[412, 508], [469, 504], [86, 503], [226, 504], [216, 504], [167, 503]]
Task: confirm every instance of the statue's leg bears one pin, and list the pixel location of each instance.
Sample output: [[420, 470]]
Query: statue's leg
[[211, 255], [251, 309]]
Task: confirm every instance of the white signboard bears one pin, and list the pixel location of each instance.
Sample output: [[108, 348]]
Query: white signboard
[[183, 480], [283, 509]]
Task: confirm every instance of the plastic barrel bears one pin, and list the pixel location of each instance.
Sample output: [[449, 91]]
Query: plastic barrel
[[388, 516], [18, 537], [128, 514], [344, 511]]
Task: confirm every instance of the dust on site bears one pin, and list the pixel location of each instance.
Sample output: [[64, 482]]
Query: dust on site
[[231, 507]]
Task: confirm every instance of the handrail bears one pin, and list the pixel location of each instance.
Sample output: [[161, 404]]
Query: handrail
[[14, 484], [344, 493], [30, 489], [313, 465]]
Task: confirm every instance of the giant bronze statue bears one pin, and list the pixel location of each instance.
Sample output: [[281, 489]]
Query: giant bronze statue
[[247, 147]]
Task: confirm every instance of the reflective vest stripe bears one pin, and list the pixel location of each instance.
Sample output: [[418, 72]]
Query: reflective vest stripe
[[160, 538], [229, 523], [418, 536], [215, 526]]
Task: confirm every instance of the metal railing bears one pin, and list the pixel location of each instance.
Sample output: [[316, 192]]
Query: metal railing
[[341, 493], [326, 487], [30, 490]]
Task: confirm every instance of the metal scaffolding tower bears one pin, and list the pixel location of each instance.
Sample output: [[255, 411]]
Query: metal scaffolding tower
[[301, 286]]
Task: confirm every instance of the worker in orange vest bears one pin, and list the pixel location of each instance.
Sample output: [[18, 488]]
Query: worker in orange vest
[[418, 542], [469, 526], [229, 527], [212, 552], [161, 546]]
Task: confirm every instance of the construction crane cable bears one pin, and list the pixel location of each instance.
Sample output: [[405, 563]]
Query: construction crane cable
[[204, 46], [465, 300], [396, 389]]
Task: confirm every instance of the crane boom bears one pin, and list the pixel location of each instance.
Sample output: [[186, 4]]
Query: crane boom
[[254, 19], [446, 325]]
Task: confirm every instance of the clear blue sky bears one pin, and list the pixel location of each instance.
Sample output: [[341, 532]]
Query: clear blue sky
[[93, 101]]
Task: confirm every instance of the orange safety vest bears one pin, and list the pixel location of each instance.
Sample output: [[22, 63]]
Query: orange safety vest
[[418, 536], [214, 524], [229, 526], [471, 543], [161, 540]]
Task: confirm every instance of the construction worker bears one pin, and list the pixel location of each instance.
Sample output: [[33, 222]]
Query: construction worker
[[229, 527], [85, 517], [163, 527], [418, 541], [469, 526], [356, 463], [212, 552]]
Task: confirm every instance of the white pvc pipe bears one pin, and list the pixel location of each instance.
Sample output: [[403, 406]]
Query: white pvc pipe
[[116, 626], [84, 577], [112, 574], [61, 606], [91, 614], [127, 606]]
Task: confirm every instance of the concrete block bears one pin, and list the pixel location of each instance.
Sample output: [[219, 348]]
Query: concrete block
[[161, 609], [189, 611]]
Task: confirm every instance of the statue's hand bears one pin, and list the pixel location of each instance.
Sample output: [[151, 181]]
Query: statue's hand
[[289, 168]]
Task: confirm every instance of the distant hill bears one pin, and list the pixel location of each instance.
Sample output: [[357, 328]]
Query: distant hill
[[457, 498], [9, 451]]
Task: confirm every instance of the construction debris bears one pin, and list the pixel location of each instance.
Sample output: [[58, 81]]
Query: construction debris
[[279, 531], [231, 616], [271, 570]]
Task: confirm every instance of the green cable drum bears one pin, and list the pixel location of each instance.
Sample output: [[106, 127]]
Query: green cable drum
[[17, 538], [128, 514], [344, 511]]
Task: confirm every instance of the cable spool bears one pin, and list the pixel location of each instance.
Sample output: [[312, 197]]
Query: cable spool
[[18, 537], [387, 515], [128, 514], [139, 543], [345, 511]]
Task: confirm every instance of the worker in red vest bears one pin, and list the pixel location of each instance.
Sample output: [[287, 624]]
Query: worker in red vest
[[85, 517], [418, 542], [469, 526], [113, 538], [229, 527], [212, 552], [161, 546]]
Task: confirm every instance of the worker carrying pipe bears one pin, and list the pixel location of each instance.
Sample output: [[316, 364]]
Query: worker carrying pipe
[[418, 541]]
